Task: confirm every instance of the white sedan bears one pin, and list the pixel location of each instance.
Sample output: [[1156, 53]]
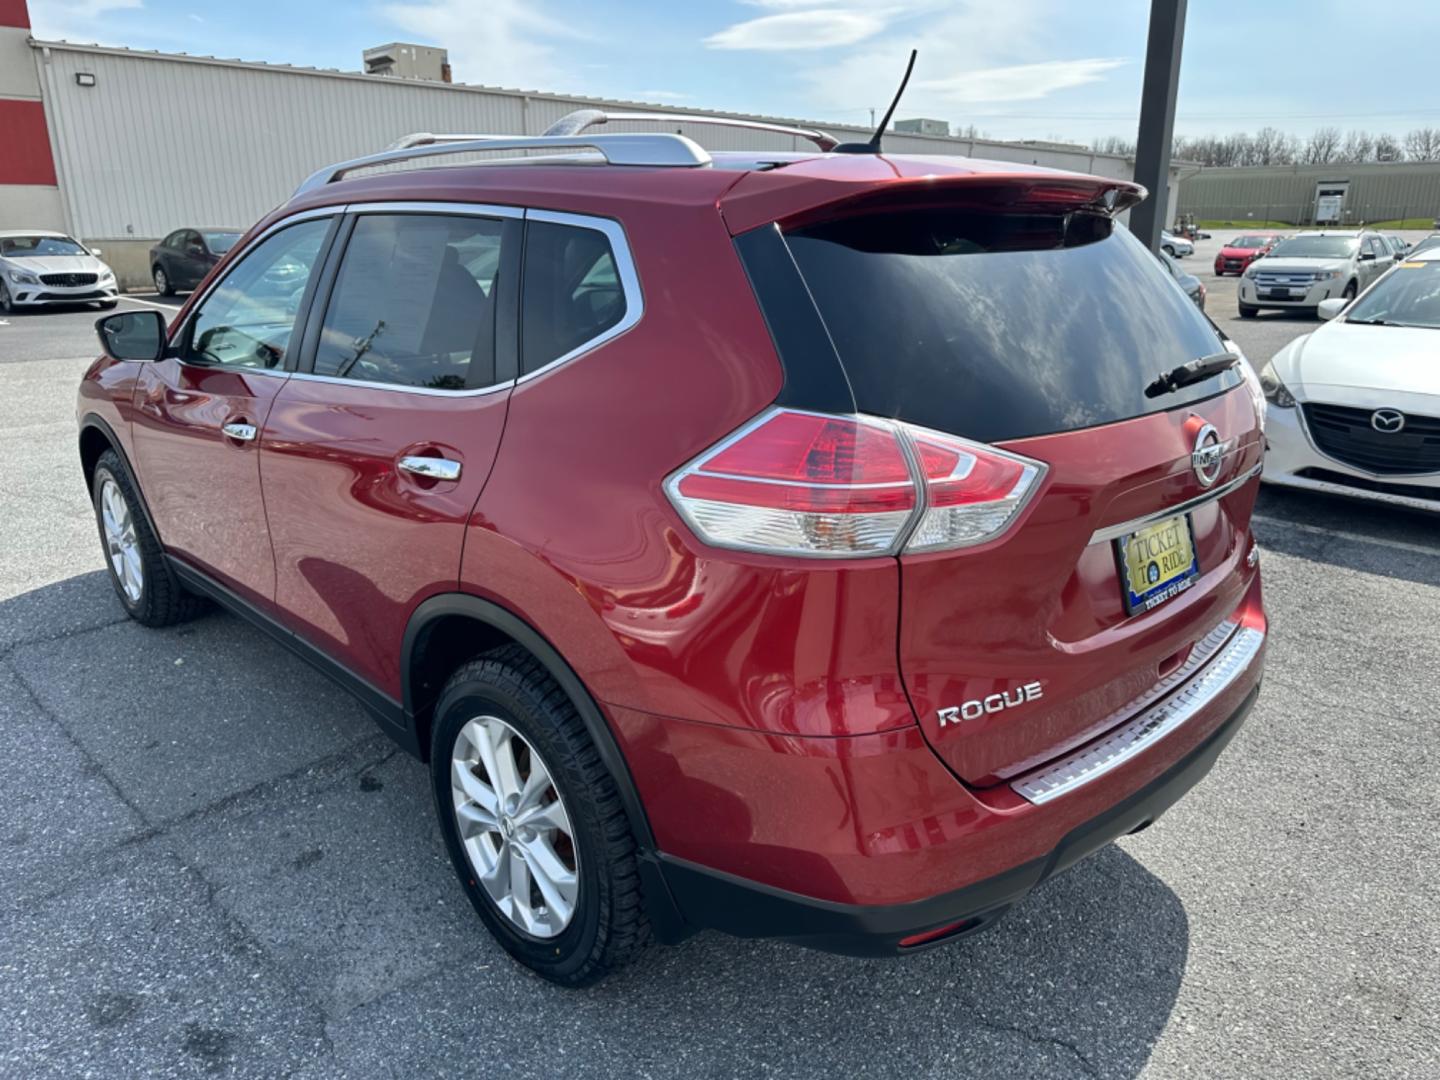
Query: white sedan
[[38, 267], [1354, 408], [1177, 247]]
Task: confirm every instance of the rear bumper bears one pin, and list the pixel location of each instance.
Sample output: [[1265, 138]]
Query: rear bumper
[[717, 900]]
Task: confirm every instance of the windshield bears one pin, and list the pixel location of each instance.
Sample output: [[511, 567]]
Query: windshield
[[1001, 326], [220, 242], [1407, 296], [1315, 247], [1430, 243], [39, 246]]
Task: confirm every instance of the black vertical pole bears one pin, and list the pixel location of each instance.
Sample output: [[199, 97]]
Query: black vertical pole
[[1157, 118]]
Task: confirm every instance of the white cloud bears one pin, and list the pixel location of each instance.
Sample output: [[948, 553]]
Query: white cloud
[[1019, 82], [74, 20], [496, 42], [821, 28], [661, 95]]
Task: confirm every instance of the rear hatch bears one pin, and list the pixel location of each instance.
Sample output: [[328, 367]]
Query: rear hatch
[[1036, 331]]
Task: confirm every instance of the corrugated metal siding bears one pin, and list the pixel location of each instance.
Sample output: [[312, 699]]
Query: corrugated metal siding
[[162, 141], [1287, 192]]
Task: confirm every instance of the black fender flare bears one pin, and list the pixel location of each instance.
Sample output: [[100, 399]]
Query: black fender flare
[[94, 422]]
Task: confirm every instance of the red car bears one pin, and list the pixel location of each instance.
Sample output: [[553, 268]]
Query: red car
[[1239, 253], [825, 546]]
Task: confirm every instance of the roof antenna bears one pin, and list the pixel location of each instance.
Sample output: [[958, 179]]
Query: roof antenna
[[873, 146]]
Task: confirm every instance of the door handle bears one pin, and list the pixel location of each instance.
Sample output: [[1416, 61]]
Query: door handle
[[243, 432], [432, 468]]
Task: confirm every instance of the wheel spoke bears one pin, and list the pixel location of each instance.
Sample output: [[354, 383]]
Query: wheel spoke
[[506, 776], [550, 816], [557, 882], [474, 789], [495, 876], [520, 908], [475, 820], [536, 784]]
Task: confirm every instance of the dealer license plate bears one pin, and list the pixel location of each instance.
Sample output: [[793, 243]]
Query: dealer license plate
[[1156, 563]]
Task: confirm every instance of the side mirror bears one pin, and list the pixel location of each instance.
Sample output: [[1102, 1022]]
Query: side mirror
[[95, 251], [132, 335], [1328, 309], [1367, 256]]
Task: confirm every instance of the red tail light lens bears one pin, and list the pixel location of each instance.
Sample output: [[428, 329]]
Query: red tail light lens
[[801, 484], [796, 483], [973, 492]]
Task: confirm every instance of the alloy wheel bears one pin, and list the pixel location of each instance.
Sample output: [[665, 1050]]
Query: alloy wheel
[[514, 827], [5, 302], [121, 544], [161, 283]]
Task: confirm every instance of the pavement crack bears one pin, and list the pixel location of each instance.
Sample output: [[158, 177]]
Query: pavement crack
[[64, 635]]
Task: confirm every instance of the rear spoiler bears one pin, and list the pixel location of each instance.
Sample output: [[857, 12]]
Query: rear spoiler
[[801, 195]]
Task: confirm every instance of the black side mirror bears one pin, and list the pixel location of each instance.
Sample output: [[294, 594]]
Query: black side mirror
[[132, 335], [1367, 256]]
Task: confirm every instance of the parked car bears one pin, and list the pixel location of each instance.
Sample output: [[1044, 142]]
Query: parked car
[[1430, 243], [1354, 408], [709, 598], [1313, 266], [1239, 253], [1177, 247], [39, 268], [183, 258], [1193, 286], [1398, 244]]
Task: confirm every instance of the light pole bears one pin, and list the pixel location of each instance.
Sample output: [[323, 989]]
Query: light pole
[[1157, 118]]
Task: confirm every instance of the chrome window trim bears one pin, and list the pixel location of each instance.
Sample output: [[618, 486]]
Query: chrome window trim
[[488, 210], [196, 303], [1125, 528], [624, 267], [1223, 656]]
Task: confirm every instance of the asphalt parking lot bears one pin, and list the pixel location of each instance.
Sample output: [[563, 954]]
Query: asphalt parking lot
[[214, 864]]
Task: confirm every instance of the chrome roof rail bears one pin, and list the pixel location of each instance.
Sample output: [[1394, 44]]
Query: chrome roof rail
[[576, 122], [657, 149]]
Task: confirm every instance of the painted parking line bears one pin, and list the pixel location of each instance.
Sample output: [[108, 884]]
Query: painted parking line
[[1344, 534], [172, 308]]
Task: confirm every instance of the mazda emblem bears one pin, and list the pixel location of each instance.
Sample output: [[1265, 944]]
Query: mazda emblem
[[1208, 456], [1387, 420]]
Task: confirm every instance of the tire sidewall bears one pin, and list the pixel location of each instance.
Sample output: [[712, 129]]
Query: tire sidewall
[[104, 472], [568, 951]]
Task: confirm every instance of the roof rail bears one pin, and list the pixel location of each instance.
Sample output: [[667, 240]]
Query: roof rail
[[576, 122], [658, 149]]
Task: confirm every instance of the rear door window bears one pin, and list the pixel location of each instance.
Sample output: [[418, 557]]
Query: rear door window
[[1001, 326], [414, 303]]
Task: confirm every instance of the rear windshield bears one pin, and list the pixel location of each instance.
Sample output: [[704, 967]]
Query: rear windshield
[[220, 242], [1001, 326], [1249, 242]]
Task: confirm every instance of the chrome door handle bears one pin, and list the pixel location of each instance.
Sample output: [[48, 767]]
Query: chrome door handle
[[432, 468], [243, 432]]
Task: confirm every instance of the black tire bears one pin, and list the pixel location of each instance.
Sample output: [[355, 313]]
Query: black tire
[[1350, 290], [1169, 250], [162, 600], [1248, 312], [163, 285], [106, 305], [6, 304], [609, 927]]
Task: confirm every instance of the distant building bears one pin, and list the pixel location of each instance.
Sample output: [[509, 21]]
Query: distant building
[[923, 127], [1315, 194]]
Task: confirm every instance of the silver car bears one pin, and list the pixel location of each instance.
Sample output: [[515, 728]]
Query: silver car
[[1313, 266], [1354, 408], [39, 267]]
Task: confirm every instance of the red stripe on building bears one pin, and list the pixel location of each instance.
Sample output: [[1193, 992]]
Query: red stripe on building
[[13, 13], [26, 139]]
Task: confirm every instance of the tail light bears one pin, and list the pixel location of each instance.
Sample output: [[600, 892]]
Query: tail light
[[797, 483]]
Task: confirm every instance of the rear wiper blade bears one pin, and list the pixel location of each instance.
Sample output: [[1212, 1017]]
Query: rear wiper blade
[[1167, 382]]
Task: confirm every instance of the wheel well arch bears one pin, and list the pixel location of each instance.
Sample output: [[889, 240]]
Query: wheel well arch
[[96, 437], [448, 629]]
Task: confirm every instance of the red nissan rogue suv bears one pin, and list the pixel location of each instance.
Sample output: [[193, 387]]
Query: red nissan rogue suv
[[826, 546]]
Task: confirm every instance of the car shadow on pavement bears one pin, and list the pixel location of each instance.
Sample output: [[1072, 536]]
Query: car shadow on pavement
[[252, 810], [1371, 538]]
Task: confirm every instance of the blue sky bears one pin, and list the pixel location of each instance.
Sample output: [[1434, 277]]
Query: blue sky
[[1067, 69]]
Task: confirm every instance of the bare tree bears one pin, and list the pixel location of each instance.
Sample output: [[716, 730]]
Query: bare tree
[[1387, 148], [1359, 145], [1113, 144], [1323, 146], [1423, 144]]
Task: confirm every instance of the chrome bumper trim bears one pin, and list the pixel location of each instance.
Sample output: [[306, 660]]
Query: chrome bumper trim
[[1223, 654], [1125, 528]]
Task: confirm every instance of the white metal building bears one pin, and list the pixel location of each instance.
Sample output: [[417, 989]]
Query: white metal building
[[144, 143]]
